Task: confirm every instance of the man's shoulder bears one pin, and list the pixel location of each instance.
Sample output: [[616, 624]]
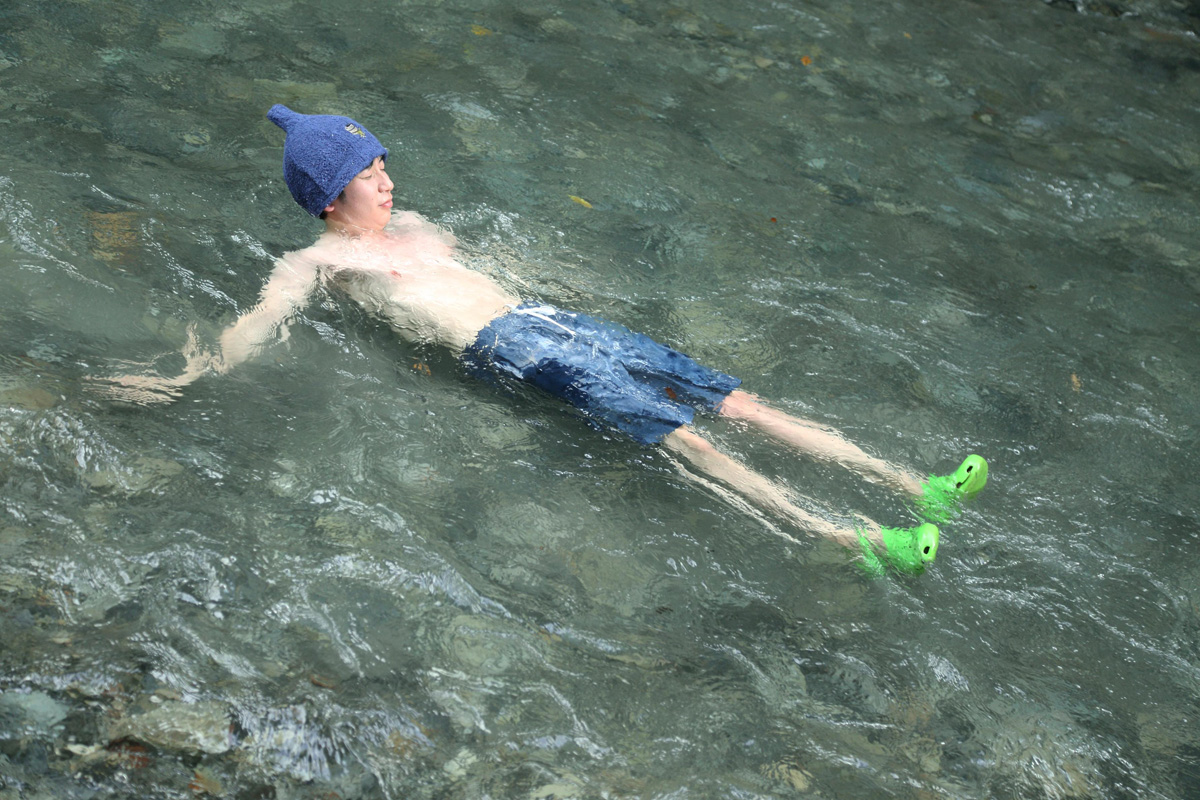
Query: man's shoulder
[[319, 253], [304, 264]]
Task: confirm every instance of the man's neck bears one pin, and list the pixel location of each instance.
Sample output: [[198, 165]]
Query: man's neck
[[349, 229]]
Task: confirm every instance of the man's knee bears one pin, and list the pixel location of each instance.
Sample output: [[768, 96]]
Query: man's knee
[[739, 405], [685, 440]]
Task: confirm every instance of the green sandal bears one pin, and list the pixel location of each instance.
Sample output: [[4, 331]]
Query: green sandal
[[944, 495], [907, 550]]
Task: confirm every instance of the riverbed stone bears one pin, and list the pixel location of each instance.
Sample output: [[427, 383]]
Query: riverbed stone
[[789, 774], [202, 40], [196, 728], [116, 235], [30, 713], [30, 398], [527, 524], [13, 537], [458, 766], [144, 474], [1119, 179], [486, 646]]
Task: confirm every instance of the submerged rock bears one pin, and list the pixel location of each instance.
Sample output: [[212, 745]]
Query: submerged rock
[[30, 398], [145, 474], [116, 235], [197, 40], [458, 767], [29, 714], [486, 646], [11, 540], [198, 728], [789, 775], [566, 786]]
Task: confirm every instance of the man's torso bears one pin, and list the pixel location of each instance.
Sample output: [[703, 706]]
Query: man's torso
[[408, 276]]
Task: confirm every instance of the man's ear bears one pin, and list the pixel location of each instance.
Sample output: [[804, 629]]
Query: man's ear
[[329, 209]]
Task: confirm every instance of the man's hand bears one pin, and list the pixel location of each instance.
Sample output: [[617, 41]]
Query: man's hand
[[155, 389]]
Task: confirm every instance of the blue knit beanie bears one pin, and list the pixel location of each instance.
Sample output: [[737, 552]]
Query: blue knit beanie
[[321, 154]]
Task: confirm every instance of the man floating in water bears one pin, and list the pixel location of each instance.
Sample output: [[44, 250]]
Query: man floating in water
[[402, 268]]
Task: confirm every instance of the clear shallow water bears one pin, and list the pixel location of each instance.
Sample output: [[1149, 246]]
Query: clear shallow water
[[943, 229]]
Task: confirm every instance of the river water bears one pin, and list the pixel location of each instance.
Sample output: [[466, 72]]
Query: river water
[[350, 570]]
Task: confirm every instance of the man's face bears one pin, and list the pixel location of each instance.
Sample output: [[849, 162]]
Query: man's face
[[366, 202]]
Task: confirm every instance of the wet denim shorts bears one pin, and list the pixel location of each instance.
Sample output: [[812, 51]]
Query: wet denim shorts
[[615, 376]]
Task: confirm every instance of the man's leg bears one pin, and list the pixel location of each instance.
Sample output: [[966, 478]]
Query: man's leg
[[817, 440], [759, 490], [908, 550]]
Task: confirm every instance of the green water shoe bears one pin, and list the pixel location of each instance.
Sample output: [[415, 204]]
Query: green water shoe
[[907, 550], [944, 495]]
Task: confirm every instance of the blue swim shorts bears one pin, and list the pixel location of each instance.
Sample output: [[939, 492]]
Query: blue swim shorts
[[615, 376]]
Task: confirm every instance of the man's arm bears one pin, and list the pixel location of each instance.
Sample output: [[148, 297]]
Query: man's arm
[[285, 293]]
